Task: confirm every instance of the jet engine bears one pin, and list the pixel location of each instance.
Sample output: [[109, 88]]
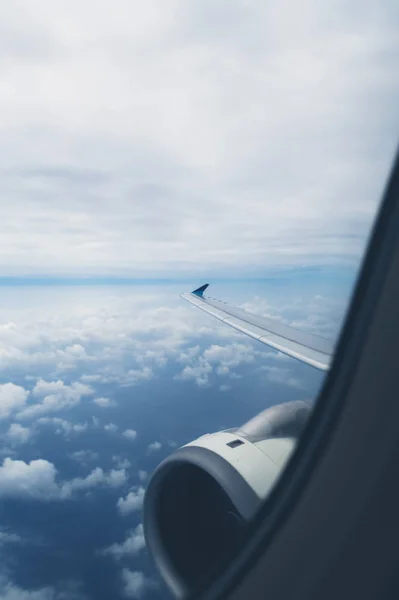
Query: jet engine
[[201, 498]]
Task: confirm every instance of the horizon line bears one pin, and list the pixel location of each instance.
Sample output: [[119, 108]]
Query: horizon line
[[273, 273]]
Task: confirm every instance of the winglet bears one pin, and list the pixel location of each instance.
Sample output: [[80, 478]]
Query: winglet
[[200, 291]]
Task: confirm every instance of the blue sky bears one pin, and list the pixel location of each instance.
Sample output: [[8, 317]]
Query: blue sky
[[148, 148]]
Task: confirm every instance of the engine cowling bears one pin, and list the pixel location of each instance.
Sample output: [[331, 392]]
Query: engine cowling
[[201, 498]]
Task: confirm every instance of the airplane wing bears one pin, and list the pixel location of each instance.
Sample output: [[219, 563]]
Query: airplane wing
[[311, 349]]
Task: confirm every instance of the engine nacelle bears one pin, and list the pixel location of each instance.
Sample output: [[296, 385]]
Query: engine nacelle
[[201, 498]]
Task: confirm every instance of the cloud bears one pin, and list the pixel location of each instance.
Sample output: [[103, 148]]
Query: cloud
[[53, 388], [128, 329], [9, 538], [263, 89], [124, 335], [115, 478], [199, 373], [62, 426], [12, 397], [10, 591], [84, 456], [230, 355], [135, 583], [132, 502], [38, 480], [111, 427], [134, 376], [188, 354], [142, 475], [18, 434], [154, 446], [104, 402], [66, 590], [121, 463], [218, 359], [281, 375], [133, 544], [130, 434], [318, 314], [54, 396]]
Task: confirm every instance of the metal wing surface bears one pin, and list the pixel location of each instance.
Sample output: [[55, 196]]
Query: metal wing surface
[[306, 347]]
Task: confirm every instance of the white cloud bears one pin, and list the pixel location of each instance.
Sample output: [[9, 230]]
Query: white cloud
[[132, 502], [130, 434], [121, 329], [38, 479], [229, 355], [134, 376], [221, 359], [66, 590], [12, 397], [281, 375], [111, 427], [79, 427], [84, 456], [199, 372], [54, 396], [28, 480], [133, 544], [104, 402], [121, 463], [319, 314], [188, 354], [11, 591], [18, 434], [124, 334], [142, 475], [135, 583], [154, 446], [62, 426], [115, 478], [264, 87]]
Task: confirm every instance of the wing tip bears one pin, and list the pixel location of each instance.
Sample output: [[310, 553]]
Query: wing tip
[[200, 291]]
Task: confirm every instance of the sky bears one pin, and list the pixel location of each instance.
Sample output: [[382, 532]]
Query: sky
[[172, 138], [146, 148]]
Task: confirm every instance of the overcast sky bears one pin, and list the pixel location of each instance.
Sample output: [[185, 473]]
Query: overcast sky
[[169, 137]]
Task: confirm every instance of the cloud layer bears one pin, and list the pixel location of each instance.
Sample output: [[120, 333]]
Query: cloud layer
[[210, 137]]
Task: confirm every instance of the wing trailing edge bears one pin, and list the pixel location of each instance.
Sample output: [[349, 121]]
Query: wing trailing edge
[[306, 347]]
